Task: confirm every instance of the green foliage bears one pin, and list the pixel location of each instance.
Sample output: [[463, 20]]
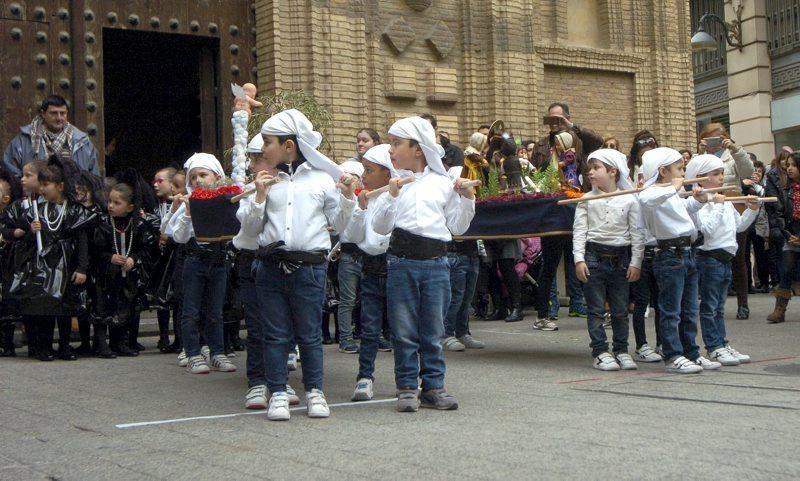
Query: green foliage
[[318, 114], [548, 180], [493, 184]]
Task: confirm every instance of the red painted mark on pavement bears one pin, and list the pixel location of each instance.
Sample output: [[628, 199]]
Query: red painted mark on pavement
[[775, 359]]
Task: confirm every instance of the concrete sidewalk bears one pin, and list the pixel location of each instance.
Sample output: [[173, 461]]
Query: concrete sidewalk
[[531, 408]]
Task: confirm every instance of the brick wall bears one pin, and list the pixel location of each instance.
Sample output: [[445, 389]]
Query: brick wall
[[474, 61]]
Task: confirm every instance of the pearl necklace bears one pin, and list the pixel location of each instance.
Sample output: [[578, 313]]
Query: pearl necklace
[[55, 225], [122, 233]]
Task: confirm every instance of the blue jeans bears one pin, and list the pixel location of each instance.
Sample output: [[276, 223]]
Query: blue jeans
[[420, 296], [291, 305], [555, 305], [256, 367], [714, 282], [373, 305], [574, 287], [677, 277], [463, 279], [349, 280], [607, 283], [204, 284], [645, 292]]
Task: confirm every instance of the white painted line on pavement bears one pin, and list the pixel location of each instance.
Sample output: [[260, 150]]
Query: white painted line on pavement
[[249, 413], [505, 332]]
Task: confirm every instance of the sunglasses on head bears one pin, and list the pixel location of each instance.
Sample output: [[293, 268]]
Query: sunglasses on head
[[646, 141]]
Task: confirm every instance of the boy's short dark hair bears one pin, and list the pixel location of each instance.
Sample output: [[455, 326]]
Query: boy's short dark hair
[[55, 101], [759, 165], [430, 118]]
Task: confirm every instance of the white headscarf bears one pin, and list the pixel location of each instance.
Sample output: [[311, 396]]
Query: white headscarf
[[352, 167], [420, 130], [256, 145], [201, 161], [703, 164], [654, 159], [616, 160], [293, 122], [380, 155]]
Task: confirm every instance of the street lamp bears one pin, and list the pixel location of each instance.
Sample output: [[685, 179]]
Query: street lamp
[[702, 41]]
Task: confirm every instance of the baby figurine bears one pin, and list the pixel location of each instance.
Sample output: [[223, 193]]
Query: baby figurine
[[249, 102]]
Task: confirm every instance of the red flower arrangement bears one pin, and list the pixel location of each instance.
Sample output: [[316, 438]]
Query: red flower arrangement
[[519, 197], [213, 193]]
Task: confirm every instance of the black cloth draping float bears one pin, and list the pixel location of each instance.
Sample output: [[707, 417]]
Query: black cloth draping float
[[520, 216]]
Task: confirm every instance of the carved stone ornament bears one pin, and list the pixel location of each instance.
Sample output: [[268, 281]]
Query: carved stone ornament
[[419, 5], [398, 35], [441, 40]]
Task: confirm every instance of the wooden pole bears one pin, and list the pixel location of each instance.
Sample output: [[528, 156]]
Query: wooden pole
[[374, 194], [625, 192], [252, 191]]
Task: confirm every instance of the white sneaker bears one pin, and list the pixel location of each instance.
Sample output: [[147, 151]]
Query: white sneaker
[[317, 405], [198, 365], [707, 364], [660, 351], [605, 362], [647, 312], [647, 354], [545, 325], [256, 397], [470, 342], [278, 407], [681, 365], [206, 353], [183, 360], [743, 358], [221, 363], [363, 391], [294, 399], [626, 362], [292, 361], [452, 344], [723, 356]]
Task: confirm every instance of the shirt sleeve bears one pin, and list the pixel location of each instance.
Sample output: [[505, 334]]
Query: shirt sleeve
[[579, 228], [744, 166], [251, 217], [356, 228], [744, 220], [458, 213], [637, 236], [183, 230], [385, 214], [338, 208], [655, 196], [708, 220]]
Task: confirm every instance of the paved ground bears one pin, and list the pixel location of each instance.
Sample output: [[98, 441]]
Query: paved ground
[[531, 408]]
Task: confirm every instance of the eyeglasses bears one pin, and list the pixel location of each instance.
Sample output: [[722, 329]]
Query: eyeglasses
[[610, 146], [646, 141]]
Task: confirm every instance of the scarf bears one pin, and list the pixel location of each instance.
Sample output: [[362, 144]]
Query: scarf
[[796, 201], [293, 122], [653, 160], [421, 131], [379, 155], [616, 160], [55, 143]]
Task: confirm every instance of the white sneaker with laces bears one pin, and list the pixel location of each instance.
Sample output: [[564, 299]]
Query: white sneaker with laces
[[291, 363], [183, 359], [626, 362], [605, 362], [647, 354], [723, 356], [206, 353], [743, 358], [681, 365], [363, 391], [470, 342], [707, 363], [317, 405], [221, 363], [256, 397], [198, 365], [452, 344], [545, 325], [278, 407], [294, 399]]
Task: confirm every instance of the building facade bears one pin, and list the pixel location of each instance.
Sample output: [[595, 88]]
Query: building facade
[[149, 80], [755, 89]]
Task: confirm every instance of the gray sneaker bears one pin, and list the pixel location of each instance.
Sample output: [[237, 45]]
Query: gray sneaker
[[348, 346], [438, 399], [407, 401], [452, 344], [470, 342]]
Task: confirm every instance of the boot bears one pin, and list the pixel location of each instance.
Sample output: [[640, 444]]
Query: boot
[[7, 340], [84, 327], [44, 339], [498, 314], [101, 342], [782, 297], [515, 315], [133, 333], [121, 342]]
